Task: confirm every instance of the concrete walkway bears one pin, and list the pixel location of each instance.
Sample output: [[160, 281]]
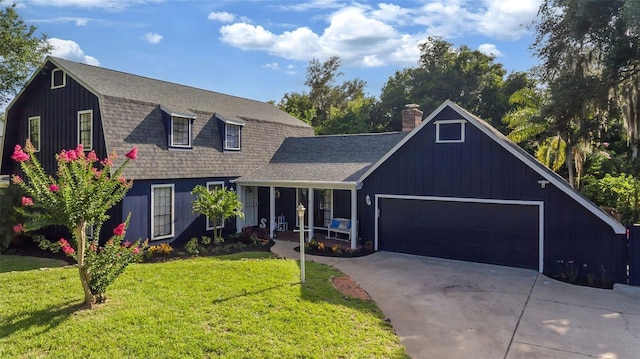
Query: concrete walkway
[[450, 309]]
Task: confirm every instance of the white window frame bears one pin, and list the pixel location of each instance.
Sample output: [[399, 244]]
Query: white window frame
[[190, 124], [226, 131], [173, 212], [448, 122], [89, 231], [84, 145], [53, 76], [214, 183], [39, 131]]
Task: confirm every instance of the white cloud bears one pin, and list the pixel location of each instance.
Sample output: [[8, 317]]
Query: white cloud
[[490, 50], [80, 21], [224, 17], [311, 5], [291, 70], [505, 19], [101, 4], [272, 66], [152, 37], [70, 50], [388, 33]]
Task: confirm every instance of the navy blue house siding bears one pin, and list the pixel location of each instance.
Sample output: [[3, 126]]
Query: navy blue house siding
[[481, 168], [58, 111], [187, 224]]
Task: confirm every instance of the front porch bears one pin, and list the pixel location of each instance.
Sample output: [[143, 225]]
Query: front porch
[[320, 236], [274, 207]]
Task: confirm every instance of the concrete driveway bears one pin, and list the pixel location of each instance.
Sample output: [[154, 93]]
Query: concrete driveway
[[451, 309]]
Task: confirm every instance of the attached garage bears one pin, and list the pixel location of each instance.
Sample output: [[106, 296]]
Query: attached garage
[[456, 188], [499, 232]]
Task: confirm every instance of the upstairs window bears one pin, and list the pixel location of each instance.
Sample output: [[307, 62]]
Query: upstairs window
[[85, 129], [58, 79], [181, 131], [232, 136], [34, 132], [450, 131]]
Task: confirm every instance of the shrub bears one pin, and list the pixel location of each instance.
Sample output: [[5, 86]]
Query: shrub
[[620, 192], [10, 197]]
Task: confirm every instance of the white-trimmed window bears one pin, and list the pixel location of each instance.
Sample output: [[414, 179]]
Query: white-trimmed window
[[181, 131], [232, 136], [211, 186], [34, 132], [58, 79], [450, 131], [162, 214], [88, 231], [85, 129]]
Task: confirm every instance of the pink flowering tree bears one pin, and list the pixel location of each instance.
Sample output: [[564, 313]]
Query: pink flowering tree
[[84, 190]]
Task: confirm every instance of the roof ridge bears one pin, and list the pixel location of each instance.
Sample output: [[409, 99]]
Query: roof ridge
[[59, 59]]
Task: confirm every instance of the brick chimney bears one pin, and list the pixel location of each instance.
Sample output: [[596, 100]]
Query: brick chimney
[[411, 117]]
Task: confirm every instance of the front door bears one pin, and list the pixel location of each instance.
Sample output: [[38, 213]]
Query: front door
[[250, 197]]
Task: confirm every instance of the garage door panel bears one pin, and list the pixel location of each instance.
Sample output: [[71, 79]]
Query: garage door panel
[[505, 234]]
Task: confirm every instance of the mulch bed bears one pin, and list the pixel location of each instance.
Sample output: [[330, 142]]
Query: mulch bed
[[329, 253], [347, 286]]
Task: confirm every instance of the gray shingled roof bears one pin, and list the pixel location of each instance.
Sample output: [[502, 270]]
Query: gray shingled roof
[[131, 109], [337, 158]]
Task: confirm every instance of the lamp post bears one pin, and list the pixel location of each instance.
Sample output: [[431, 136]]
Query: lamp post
[[301, 210]]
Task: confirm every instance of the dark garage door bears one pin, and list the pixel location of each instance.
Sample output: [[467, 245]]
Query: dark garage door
[[504, 234]]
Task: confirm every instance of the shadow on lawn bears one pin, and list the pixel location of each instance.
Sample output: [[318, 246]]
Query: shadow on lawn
[[246, 293], [45, 319]]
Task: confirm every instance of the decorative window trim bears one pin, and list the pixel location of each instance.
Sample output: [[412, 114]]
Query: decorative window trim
[[86, 147], [89, 231], [208, 224], [39, 132], [190, 124], [447, 122], [53, 77], [226, 131], [173, 212]]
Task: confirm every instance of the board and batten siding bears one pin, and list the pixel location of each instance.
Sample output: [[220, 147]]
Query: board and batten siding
[[481, 168], [58, 110], [186, 224]]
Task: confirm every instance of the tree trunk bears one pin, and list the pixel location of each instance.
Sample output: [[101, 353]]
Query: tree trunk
[[85, 276], [569, 163]]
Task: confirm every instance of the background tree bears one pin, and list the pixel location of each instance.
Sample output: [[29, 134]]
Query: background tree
[[218, 205], [468, 77], [20, 51], [329, 107]]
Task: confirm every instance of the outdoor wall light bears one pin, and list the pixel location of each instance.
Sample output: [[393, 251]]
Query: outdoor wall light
[[543, 183], [367, 200]]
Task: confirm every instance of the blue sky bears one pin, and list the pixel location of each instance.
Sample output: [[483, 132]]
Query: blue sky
[[261, 49]]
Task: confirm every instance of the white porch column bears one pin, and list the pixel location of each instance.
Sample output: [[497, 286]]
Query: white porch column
[[310, 213], [239, 190], [354, 218], [272, 210]]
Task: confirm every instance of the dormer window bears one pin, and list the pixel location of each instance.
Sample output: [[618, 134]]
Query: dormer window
[[232, 136], [181, 131], [58, 79], [231, 131], [450, 131]]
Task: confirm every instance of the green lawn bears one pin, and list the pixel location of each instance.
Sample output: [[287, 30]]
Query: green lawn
[[22, 263], [205, 307]]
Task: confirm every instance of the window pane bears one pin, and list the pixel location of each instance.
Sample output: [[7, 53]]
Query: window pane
[[233, 136], [162, 211], [181, 131], [34, 132], [84, 124], [450, 132]]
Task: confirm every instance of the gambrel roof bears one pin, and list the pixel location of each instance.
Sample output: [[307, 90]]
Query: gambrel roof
[[131, 109]]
